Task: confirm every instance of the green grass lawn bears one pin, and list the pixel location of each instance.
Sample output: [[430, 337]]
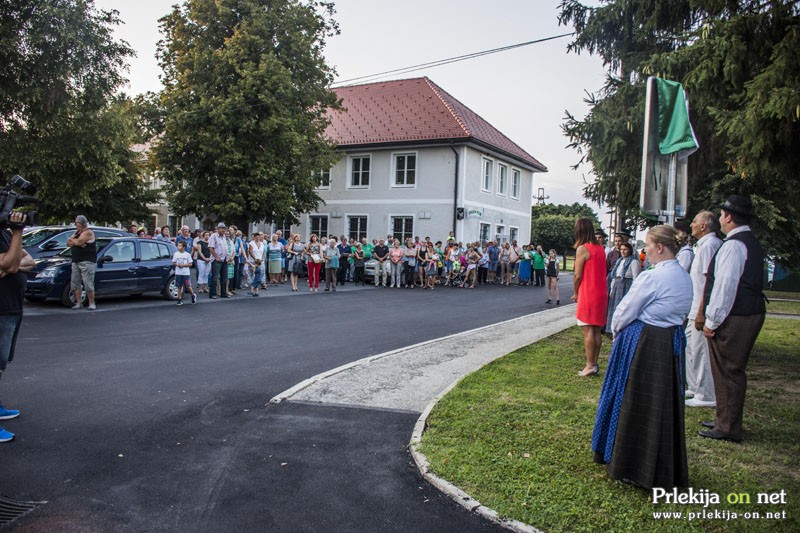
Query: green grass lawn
[[781, 294], [787, 308], [516, 435]]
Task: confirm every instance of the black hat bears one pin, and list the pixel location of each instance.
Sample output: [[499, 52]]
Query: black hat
[[599, 231], [738, 205], [623, 233]]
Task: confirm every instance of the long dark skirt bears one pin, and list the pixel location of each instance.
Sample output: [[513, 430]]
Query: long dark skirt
[[639, 429], [619, 288]]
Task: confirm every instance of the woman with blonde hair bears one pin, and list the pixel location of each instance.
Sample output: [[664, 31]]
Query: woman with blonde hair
[[274, 255], [639, 428], [294, 259], [589, 284]]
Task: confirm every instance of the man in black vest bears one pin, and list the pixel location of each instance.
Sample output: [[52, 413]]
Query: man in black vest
[[734, 313]]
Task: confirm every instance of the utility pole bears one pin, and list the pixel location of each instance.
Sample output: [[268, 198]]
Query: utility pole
[[540, 197]]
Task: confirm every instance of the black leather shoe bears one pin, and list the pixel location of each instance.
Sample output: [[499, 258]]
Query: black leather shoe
[[708, 424], [711, 434]]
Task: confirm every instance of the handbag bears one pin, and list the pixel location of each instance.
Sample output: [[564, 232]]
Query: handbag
[[316, 258], [297, 265]]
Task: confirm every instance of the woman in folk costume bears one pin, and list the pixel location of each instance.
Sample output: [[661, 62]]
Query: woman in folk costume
[[622, 275], [639, 430]]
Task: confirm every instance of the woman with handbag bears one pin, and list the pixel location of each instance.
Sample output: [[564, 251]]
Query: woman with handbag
[[203, 256], [409, 263], [314, 258], [294, 258]]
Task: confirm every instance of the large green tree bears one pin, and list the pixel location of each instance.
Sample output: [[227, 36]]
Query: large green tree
[[61, 125], [553, 225], [246, 95], [740, 64]]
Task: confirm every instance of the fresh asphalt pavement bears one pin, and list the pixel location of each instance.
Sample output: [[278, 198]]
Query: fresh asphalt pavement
[[146, 416]]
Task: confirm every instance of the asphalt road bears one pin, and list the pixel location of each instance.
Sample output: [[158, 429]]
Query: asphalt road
[[144, 416]]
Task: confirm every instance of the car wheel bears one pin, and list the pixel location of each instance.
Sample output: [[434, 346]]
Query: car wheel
[[170, 291], [35, 299], [68, 299]]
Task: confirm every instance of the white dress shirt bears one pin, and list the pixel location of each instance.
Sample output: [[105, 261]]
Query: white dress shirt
[[685, 257], [659, 297], [728, 270], [707, 246]]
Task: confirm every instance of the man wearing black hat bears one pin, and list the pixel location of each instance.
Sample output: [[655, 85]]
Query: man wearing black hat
[[733, 316]]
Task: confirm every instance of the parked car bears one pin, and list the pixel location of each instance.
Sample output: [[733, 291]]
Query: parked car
[[125, 265], [49, 241]]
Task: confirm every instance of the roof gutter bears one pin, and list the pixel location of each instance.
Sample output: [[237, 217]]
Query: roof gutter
[[455, 190]]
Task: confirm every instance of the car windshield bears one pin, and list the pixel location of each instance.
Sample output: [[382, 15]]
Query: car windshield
[[38, 235], [101, 243]]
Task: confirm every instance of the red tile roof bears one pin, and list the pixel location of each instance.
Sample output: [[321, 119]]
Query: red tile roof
[[413, 110]]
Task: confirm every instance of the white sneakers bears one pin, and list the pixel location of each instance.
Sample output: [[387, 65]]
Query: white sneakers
[[694, 402]]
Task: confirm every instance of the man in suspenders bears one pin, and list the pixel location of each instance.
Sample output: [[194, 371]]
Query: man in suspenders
[[734, 314]]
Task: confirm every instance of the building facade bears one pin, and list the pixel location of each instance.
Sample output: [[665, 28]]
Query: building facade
[[417, 162]]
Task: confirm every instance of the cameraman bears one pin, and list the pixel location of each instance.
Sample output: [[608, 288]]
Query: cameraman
[[14, 262]]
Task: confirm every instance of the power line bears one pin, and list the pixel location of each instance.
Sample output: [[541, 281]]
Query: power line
[[440, 62]]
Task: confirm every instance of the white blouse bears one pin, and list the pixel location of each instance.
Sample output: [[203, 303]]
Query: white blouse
[[660, 297]]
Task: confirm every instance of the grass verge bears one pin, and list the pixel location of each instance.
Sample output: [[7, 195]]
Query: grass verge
[[783, 294], [786, 308], [516, 436]]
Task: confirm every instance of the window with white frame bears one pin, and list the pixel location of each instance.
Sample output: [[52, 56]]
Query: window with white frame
[[357, 227], [359, 171], [486, 179], [405, 170], [323, 179], [500, 234], [513, 233], [502, 177], [485, 234], [402, 227], [318, 224], [516, 183]]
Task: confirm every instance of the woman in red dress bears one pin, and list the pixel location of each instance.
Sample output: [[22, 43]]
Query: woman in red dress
[[590, 292]]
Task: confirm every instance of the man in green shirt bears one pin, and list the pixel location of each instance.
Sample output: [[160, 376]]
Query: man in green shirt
[[367, 247], [538, 267]]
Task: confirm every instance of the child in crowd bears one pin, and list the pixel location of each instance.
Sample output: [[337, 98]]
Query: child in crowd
[[183, 276]]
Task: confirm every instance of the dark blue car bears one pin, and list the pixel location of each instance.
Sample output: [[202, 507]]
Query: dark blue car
[[125, 265], [49, 241]]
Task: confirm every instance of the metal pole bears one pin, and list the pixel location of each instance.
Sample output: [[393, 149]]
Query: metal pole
[[672, 183]]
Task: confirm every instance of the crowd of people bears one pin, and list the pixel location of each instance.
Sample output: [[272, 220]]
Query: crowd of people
[[701, 302], [228, 260]]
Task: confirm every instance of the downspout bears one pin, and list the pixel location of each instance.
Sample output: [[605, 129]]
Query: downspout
[[455, 190]]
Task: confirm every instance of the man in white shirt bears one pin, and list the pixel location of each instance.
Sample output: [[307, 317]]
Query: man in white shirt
[[698, 365], [734, 315]]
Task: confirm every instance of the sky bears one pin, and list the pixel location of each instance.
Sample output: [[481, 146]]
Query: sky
[[523, 92]]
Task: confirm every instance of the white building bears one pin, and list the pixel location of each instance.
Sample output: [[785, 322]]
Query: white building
[[417, 162]]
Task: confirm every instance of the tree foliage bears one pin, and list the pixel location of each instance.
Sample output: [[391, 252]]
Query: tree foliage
[[60, 124], [740, 64], [553, 225], [246, 95]]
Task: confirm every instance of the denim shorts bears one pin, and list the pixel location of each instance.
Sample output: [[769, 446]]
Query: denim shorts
[[183, 280], [9, 329]]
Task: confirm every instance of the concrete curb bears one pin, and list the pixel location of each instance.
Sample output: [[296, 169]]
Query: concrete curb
[[450, 490]]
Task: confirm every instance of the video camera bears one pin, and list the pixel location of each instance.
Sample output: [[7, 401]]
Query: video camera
[[10, 200]]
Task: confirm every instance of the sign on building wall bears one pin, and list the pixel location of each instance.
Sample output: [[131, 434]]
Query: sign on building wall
[[474, 212]]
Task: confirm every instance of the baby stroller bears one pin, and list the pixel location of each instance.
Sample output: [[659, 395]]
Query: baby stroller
[[456, 275]]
